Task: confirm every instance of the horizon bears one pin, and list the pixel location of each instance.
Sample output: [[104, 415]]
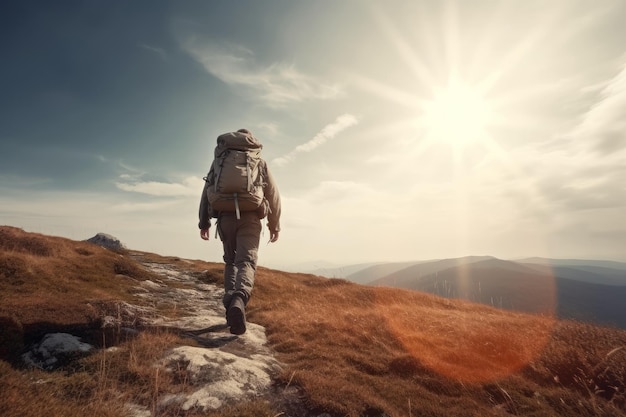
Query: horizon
[[320, 265], [398, 131]]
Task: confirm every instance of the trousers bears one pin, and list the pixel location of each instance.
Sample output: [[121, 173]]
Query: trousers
[[240, 238]]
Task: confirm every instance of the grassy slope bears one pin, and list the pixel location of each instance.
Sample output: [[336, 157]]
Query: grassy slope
[[54, 283], [352, 350], [357, 349], [517, 286]]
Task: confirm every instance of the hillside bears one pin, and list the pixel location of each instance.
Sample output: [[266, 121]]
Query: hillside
[[572, 290], [340, 271], [413, 268], [597, 272], [577, 263], [344, 349]]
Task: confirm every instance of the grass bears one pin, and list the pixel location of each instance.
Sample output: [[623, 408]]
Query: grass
[[53, 280], [348, 350], [356, 349]]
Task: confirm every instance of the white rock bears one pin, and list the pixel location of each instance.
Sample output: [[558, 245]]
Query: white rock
[[222, 376]]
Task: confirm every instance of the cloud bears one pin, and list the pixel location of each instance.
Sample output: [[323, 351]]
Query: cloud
[[190, 186], [347, 208], [271, 128], [159, 51], [604, 123], [153, 206], [277, 85], [573, 189], [328, 132]]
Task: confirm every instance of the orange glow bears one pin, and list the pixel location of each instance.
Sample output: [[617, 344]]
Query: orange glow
[[465, 342]]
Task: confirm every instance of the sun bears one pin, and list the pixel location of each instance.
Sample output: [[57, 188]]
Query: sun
[[457, 115]]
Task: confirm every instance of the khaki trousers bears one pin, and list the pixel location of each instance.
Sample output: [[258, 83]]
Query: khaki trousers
[[240, 238]]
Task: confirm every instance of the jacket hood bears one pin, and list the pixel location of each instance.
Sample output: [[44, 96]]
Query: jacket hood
[[237, 140]]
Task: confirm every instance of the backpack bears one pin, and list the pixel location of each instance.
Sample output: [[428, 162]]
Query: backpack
[[235, 180]]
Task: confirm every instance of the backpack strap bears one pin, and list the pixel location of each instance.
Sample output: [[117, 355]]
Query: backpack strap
[[220, 165], [249, 172], [237, 206]]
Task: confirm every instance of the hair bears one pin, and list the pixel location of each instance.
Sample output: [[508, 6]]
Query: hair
[[244, 131]]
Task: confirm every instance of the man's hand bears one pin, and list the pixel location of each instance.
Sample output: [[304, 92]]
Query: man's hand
[[204, 234], [273, 237]]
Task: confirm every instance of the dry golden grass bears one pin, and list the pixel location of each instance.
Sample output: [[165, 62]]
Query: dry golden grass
[[51, 284], [50, 281], [359, 350], [351, 350], [100, 384], [103, 383]]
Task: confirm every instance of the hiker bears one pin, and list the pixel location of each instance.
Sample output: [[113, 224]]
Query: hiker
[[239, 191]]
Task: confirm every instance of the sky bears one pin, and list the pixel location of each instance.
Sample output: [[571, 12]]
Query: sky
[[395, 130]]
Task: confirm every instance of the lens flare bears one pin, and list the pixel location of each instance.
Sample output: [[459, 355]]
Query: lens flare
[[469, 342]]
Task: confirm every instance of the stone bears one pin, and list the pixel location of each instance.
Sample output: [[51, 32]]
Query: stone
[[107, 241]]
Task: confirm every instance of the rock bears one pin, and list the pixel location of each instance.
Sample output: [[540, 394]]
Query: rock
[[107, 241], [220, 369], [53, 348], [218, 378]]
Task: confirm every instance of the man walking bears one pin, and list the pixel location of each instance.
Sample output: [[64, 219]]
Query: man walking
[[239, 191]]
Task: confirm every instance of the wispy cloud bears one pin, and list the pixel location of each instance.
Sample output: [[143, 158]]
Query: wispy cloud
[[328, 132], [270, 128], [152, 206], [188, 187], [159, 51], [604, 123], [277, 85]]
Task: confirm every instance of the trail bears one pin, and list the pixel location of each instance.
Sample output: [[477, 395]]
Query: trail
[[224, 369]]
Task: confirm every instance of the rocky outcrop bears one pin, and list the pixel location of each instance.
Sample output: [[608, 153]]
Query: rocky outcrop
[[107, 241]]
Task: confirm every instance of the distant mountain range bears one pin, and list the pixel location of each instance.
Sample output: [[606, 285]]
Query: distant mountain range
[[586, 290]]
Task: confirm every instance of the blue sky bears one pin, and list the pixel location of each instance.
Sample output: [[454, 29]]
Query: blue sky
[[397, 130]]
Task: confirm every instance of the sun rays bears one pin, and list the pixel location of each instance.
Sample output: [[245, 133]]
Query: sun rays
[[455, 79], [445, 105]]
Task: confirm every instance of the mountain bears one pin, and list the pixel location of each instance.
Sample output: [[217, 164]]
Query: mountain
[[335, 271], [490, 281], [403, 274], [599, 272], [375, 272], [579, 263], [581, 290], [315, 347], [369, 273]]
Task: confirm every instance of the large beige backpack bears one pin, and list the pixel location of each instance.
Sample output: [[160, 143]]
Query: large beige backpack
[[235, 180]]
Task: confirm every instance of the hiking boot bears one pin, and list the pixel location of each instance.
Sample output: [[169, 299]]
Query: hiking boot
[[236, 316]]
